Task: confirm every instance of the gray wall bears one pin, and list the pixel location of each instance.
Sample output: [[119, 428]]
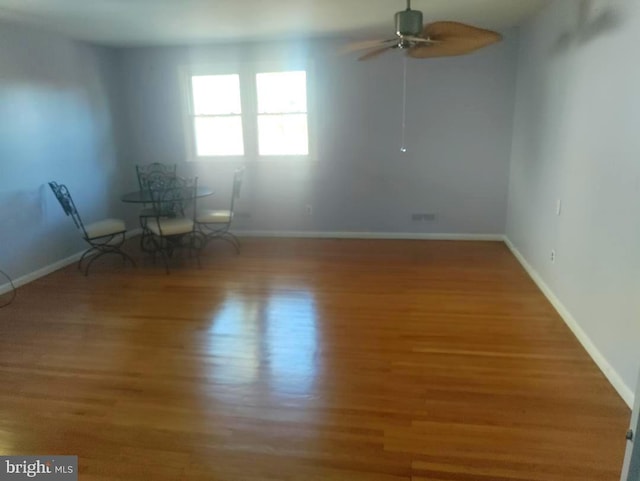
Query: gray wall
[[576, 139], [458, 135], [57, 124]]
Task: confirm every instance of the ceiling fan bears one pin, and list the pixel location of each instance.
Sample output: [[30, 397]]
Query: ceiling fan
[[437, 39]]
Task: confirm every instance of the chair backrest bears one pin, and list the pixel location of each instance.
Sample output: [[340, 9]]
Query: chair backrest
[[174, 197], [66, 202], [158, 181], [237, 186], [154, 172]]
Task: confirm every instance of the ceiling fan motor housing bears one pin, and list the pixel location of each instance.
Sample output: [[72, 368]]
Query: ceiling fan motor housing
[[408, 22]]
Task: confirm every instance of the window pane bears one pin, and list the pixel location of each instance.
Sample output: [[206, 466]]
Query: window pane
[[282, 92], [283, 134], [216, 94], [219, 136]]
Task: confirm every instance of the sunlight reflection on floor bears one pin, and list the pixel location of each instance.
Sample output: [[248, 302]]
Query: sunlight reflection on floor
[[269, 344]]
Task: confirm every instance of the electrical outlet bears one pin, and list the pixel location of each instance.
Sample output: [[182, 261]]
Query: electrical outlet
[[308, 209], [553, 256]]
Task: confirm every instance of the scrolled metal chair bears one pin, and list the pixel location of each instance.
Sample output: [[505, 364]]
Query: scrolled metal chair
[[104, 237], [215, 224], [154, 176], [170, 230]]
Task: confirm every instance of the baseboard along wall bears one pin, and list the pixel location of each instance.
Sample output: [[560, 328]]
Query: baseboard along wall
[[370, 235], [625, 392]]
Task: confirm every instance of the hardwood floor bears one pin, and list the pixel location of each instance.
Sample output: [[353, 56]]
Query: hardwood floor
[[306, 360]]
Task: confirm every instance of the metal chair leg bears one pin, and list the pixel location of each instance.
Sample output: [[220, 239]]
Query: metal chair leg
[[112, 245], [223, 233], [159, 248], [86, 253], [86, 269], [235, 241], [230, 241]]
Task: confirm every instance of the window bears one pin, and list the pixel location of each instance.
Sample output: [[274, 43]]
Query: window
[[282, 113], [217, 115], [263, 114]]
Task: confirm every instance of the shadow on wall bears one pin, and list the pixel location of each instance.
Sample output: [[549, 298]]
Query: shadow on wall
[[594, 18]]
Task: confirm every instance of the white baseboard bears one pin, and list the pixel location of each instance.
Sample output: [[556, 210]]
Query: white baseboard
[[369, 235], [625, 392], [32, 276]]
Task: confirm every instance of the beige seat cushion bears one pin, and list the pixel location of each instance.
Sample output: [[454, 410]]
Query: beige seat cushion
[[213, 217], [104, 228], [172, 226]]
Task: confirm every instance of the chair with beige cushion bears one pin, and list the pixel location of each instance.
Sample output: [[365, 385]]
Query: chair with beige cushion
[[105, 237], [155, 175], [170, 230], [215, 224]]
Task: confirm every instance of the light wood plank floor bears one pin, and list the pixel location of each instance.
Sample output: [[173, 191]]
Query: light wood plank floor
[[306, 360]]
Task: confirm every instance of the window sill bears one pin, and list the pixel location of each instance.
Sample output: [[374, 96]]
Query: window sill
[[262, 160]]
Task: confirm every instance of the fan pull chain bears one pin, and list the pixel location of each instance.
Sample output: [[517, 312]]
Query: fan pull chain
[[403, 146]]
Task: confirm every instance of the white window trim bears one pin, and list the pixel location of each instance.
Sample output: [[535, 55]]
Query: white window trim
[[248, 96]]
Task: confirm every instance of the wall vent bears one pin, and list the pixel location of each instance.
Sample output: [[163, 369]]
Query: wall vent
[[423, 217]]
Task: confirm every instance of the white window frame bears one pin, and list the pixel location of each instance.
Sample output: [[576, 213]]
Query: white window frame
[[194, 117], [249, 101]]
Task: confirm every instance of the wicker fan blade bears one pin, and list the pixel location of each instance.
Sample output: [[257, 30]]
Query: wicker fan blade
[[419, 39], [375, 53], [366, 44], [453, 38]]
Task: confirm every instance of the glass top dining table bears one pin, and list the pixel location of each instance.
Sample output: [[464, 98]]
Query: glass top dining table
[[144, 196]]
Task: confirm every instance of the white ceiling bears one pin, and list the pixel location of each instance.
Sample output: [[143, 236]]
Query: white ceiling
[[164, 22]]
